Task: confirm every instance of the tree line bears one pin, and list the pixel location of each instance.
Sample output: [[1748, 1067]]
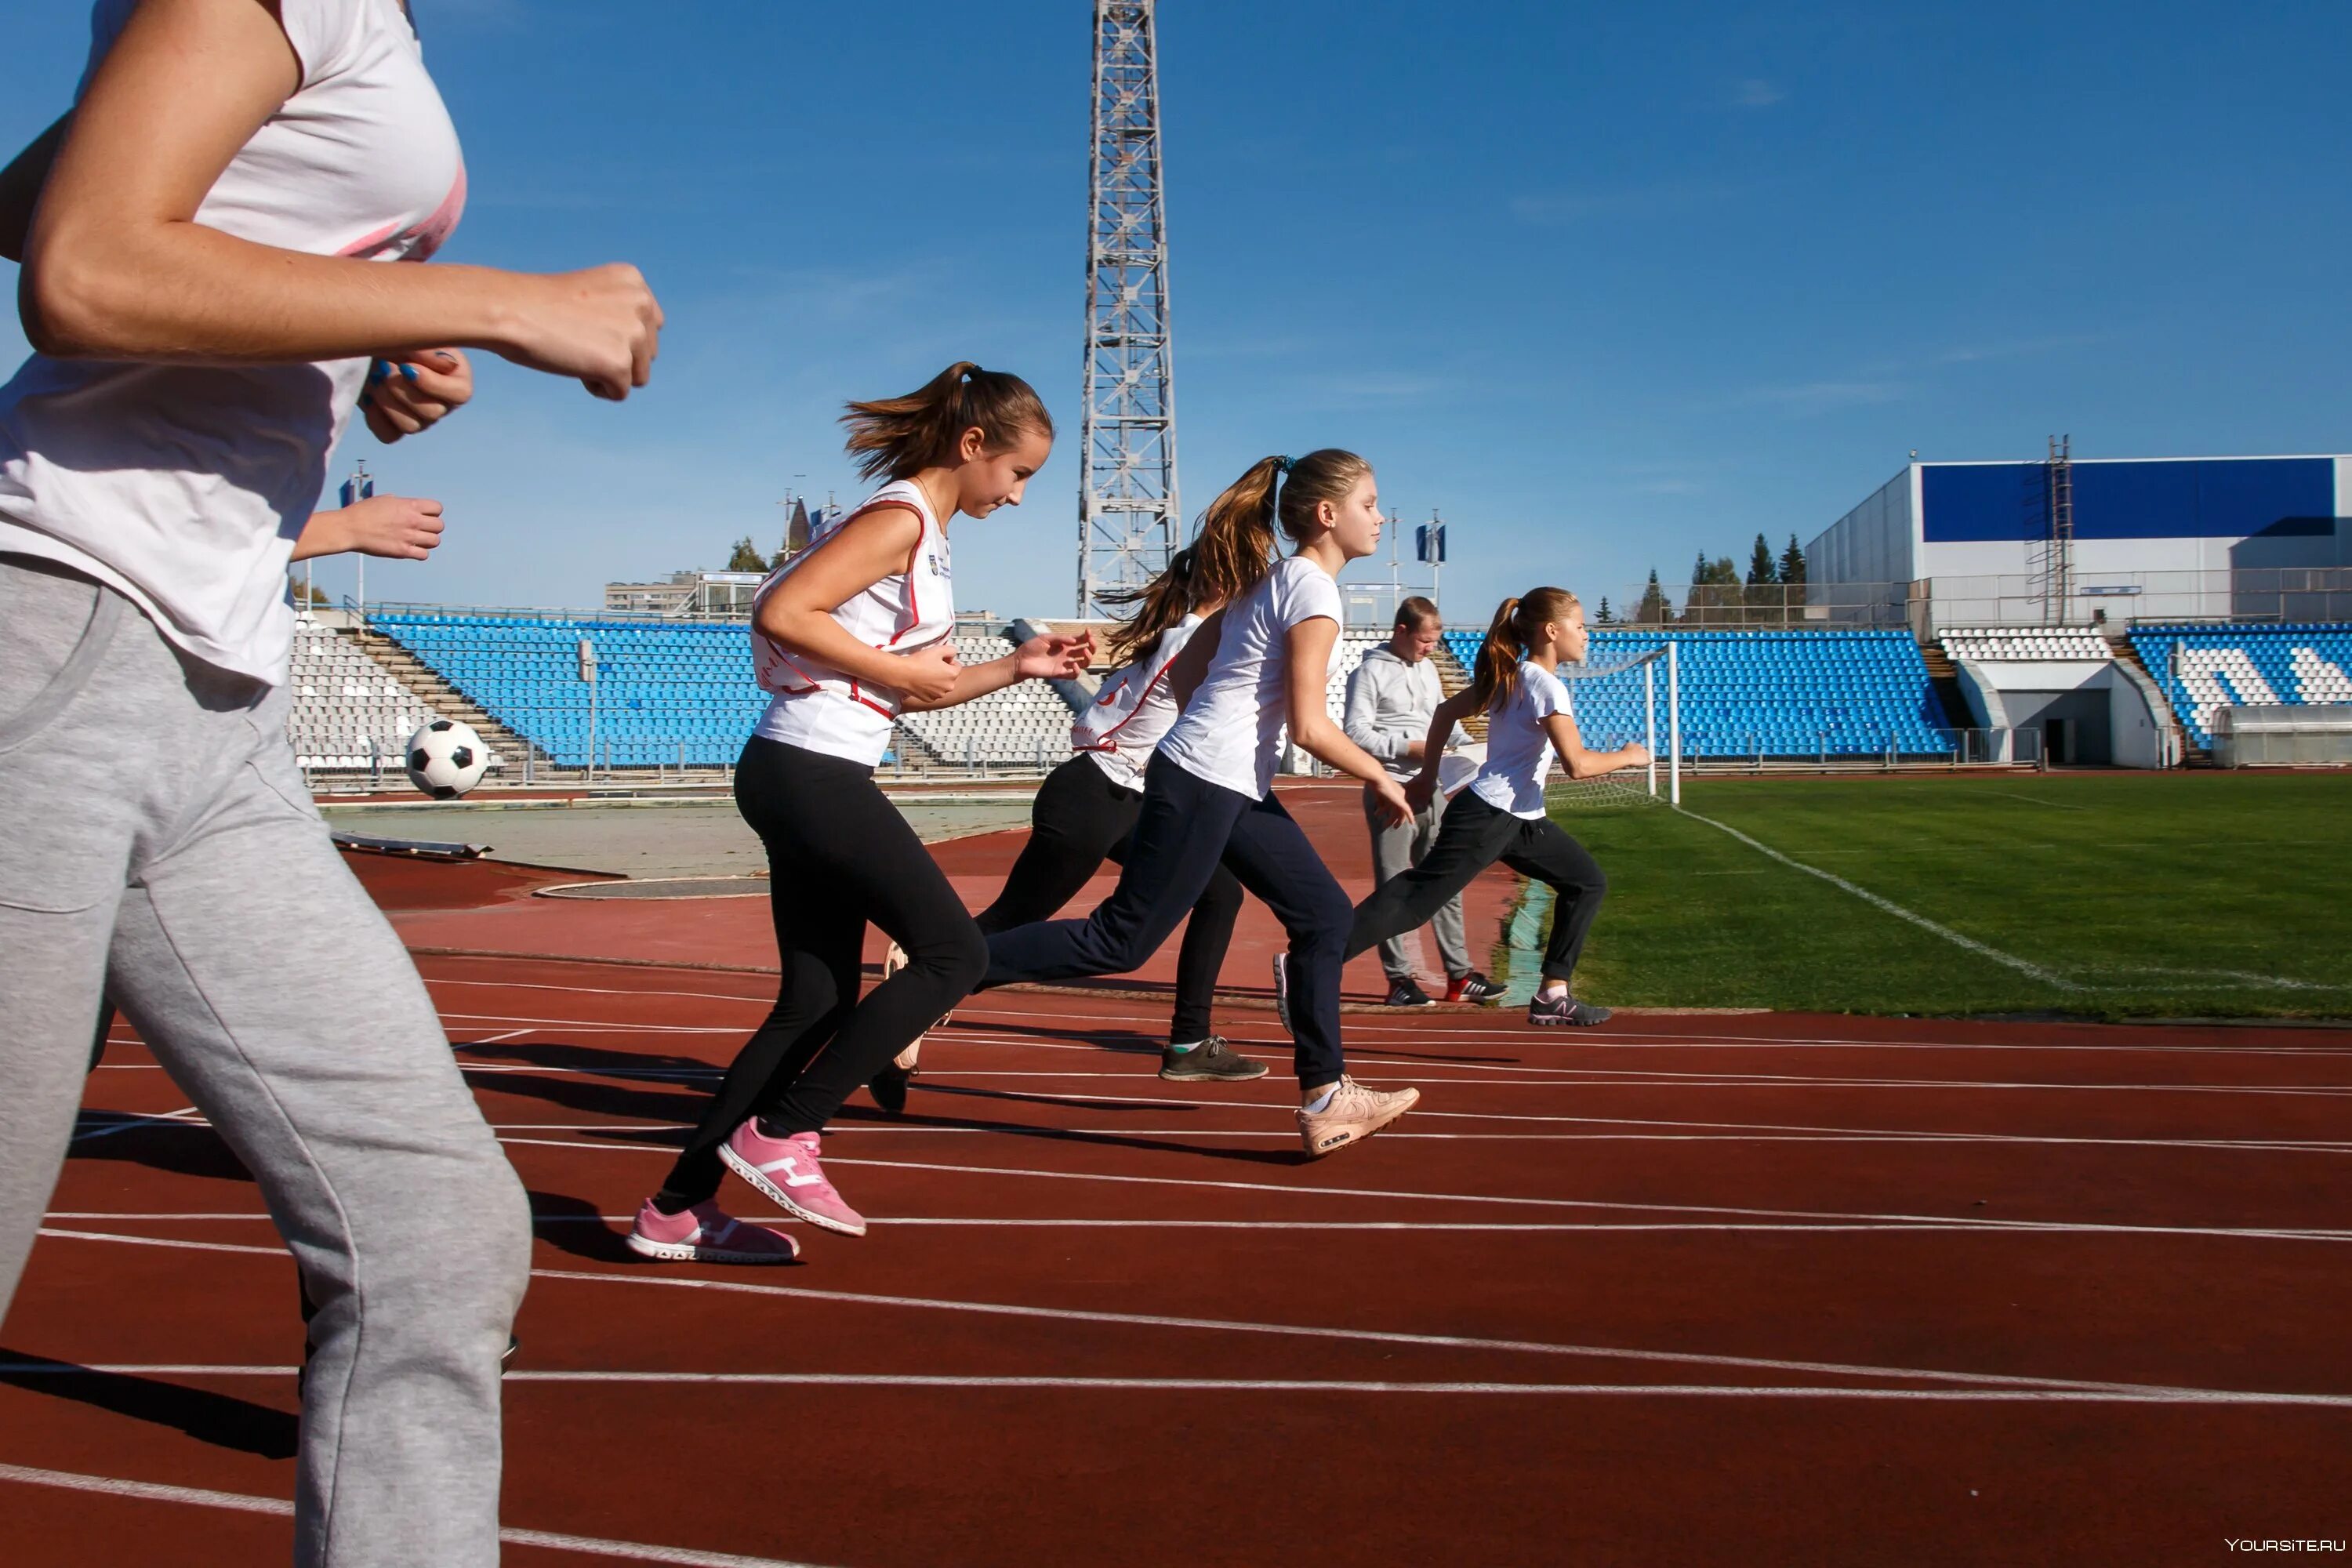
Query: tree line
[[1717, 595]]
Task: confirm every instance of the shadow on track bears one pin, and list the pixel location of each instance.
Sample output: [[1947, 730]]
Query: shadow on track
[[221, 1419]]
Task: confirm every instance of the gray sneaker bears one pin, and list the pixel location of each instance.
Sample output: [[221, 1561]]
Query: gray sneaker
[[1565, 1011], [1211, 1061]]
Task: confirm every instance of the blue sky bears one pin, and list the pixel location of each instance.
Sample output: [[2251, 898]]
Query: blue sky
[[1608, 286]]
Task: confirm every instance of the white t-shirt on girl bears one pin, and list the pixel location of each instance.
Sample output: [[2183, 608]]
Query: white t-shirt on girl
[[820, 709], [1519, 747], [183, 487], [1232, 729], [1123, 725]]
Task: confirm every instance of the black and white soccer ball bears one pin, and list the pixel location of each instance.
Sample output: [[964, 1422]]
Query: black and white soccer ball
[[446, 758]]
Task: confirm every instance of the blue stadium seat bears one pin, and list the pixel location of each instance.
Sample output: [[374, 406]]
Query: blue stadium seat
[[2205, 666]]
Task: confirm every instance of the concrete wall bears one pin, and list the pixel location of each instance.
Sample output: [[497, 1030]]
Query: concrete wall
[[2020, 694]]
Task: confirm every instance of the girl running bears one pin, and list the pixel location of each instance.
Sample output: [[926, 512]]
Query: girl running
[[848, 634], [1086, 809], [1500, 814], [1256, 664]]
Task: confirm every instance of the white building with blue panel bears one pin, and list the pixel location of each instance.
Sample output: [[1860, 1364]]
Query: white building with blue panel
[[1969, 545]]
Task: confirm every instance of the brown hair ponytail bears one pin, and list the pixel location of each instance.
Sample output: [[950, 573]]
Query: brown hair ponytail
[[1228, 558], [1495, 680], [901, 437]]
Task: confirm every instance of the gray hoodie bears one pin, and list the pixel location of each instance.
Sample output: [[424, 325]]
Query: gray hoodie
[[1390, 704]]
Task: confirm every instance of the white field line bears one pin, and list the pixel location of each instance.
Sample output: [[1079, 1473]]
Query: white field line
[[1259, 1385], [2031, 971], [239, 1502], [1512, 1228], [2032, 800], [1933, 1221]]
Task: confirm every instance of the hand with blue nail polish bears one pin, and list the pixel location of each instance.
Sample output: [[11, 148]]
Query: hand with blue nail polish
[[414, 390]]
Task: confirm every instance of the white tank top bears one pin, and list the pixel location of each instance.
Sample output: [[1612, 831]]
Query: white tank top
[[819, 708], [1119, 730]]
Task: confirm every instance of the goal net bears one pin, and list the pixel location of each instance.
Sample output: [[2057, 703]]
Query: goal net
[[1618, 703]]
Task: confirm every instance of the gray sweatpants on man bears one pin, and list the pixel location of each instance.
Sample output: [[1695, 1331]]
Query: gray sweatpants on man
[[160, 845], [1396, 850]]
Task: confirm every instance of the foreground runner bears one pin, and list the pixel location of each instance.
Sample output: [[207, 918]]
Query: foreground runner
[[1208, 794], [848, 634], [1499, 814], [204, 284]]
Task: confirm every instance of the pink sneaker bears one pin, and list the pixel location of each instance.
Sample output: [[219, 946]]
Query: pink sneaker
[[785, 1171], [707, 1234]]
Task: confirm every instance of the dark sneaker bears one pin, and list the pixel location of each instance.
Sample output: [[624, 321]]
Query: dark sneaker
[[1407, 992], [1565, 1011], [1473, 987], [1212, 1060], [888, 1089], [1282, 993]]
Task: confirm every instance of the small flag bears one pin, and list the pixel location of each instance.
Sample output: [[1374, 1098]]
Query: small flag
[[1429, 543]]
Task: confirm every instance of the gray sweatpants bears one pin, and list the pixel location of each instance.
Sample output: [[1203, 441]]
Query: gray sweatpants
[[1398, 849], [160, 844]]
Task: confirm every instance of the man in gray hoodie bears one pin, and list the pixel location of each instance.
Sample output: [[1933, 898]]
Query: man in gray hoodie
[[1392, 697]]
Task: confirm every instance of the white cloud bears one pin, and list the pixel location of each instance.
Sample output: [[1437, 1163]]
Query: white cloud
[[1754, 92]]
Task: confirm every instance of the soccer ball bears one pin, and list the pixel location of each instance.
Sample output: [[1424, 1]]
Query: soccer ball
[[446, 758]]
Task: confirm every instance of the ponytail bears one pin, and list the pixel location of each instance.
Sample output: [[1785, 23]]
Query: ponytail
[[1496, 680], [1230, 556], [901, 437]]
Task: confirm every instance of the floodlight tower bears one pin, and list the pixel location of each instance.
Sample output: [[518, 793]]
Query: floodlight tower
[[1128, 519]]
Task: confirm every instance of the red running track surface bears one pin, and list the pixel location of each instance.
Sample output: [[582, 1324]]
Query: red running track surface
[[1758, 1290]]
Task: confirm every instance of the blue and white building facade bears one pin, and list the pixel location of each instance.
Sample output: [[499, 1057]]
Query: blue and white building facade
[[1965, 544]]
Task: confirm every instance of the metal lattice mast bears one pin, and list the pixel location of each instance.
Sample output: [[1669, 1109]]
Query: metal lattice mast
[[1128, 519], [2058, 547]]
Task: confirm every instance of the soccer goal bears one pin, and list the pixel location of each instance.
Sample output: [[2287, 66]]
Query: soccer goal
[[1637, 698]]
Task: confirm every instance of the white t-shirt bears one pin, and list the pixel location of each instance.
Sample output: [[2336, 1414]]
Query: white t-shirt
[[185, 486], [819, 708], [1123, 725], [1519, 747], [1232, 729]]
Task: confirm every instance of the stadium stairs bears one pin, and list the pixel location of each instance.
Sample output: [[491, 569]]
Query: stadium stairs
[[1453, 675], [1944, 677], [438, 694]]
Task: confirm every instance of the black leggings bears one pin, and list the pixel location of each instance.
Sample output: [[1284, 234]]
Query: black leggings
[[1185, 826], [1080, 817], [839, 855], [1472, 836]]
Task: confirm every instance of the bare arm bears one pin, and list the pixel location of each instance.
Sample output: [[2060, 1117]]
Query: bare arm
[[1049, 658], [1307, 669], [117, 267], [398, 528], [1422, 787], [1583, 765], [20, 186], [798, 612]]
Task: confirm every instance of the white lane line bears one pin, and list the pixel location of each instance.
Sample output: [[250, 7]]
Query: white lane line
[[1440, 1228], [1278, 1386], [494, 1039], [2030, 800], [1365, 1336], [239, 1502], [186, 1116], [1436, 1038], [1730, 1132], [2049, 977], [1931, 1222]]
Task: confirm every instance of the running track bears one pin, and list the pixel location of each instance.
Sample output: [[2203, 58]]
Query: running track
[[1778, 1290]]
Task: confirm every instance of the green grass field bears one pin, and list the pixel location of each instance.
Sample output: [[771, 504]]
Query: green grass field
[[2111, 895]]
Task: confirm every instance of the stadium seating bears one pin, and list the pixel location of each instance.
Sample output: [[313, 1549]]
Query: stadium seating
[[2205, 666], [673, 692], [1026, 724], [1803, 694], [1346, 655], [347, 711], [2012, 644]]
